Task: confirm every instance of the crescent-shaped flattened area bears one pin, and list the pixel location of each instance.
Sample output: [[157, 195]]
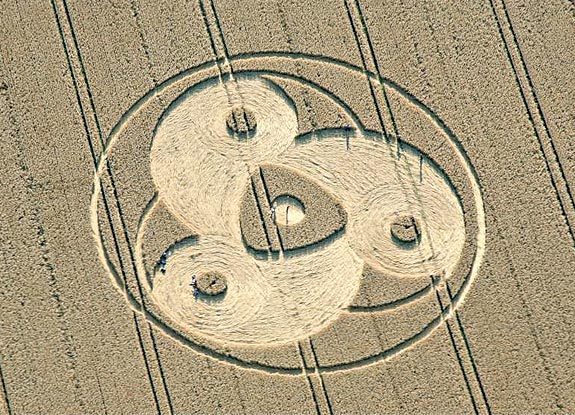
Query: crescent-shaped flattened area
[[199, 164], [377, 189], [263, 302]]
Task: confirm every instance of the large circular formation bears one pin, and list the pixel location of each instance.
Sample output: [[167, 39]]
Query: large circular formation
[[225, 156], [198, 167]]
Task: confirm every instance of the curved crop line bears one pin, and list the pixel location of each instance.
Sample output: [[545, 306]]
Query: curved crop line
[[176, 335], [315, 87], [132, 301], [139, 250], [392, 305], [458, 298]]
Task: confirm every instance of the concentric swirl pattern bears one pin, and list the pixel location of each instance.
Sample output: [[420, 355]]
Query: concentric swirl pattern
[[201, 169]]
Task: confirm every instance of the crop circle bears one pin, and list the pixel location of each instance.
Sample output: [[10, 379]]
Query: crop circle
[[241, 120], [406, 229], [288, 210], [212, 283], [259, 65]]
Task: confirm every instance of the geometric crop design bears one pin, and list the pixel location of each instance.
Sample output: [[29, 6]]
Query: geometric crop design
[[247, 230]]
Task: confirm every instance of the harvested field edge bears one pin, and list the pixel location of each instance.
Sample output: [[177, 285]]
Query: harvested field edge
[[385, 355]]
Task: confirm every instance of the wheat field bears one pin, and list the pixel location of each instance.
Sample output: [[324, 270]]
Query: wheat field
[[224, 207]]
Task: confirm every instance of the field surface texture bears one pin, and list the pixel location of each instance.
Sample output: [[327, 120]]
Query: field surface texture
[[279, 207]]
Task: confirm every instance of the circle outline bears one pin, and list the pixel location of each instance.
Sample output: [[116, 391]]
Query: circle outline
[[385, 355]]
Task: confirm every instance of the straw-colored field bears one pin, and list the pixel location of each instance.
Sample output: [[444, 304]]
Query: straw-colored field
[[223, 207]]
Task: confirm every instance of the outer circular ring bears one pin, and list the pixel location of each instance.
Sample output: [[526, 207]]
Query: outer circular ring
[[255, 57]]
